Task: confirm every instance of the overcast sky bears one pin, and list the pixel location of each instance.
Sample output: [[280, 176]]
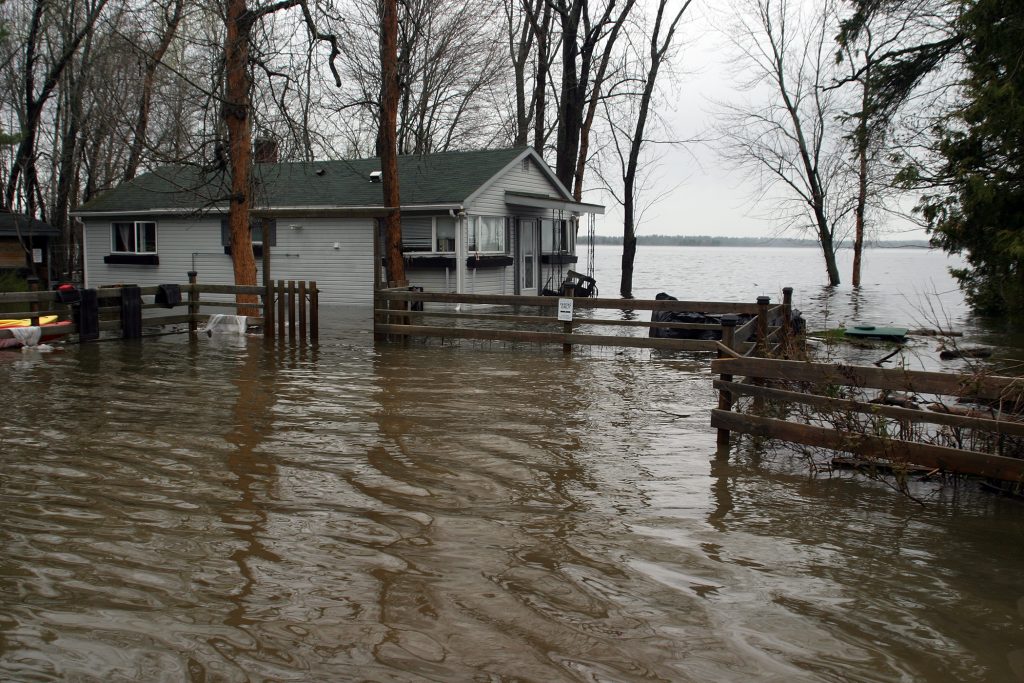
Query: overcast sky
[[701, 194]]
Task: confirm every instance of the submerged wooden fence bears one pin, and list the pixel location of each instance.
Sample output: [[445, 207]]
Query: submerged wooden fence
[[117, 311], [960, 424], [400, 313]]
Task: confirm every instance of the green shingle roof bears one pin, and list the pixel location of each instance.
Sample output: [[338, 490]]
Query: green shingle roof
[[446, 178], [12, 224]]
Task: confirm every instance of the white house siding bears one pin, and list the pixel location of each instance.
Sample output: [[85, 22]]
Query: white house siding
[[432, 279], [343, 275], [489, 280], [491, 202], [531, 180]]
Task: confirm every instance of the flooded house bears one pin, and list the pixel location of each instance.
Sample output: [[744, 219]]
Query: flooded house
[[479, 222], [26, 244]]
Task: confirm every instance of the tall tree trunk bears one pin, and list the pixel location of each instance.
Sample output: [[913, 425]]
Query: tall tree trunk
[[541, 82], [863, 144], [595, 95], [148, 84], [387, 137], [570, 105], [628, 246], [236, 114], [862, 194], [67, 171], [828, 247], [520, 47]]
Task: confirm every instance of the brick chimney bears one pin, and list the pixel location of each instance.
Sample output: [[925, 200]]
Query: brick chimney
[[264, 151]]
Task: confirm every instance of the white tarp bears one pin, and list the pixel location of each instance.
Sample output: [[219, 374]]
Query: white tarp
[[221, 323]]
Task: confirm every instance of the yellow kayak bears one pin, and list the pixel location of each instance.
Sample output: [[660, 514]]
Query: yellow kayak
[[26, 322]]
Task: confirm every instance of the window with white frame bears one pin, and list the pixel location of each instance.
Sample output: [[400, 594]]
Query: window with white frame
[[487, 234], [444, 234], [556, 236], [133, 237], [426, 234]]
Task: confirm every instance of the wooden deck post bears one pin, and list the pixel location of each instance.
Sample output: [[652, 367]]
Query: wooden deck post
[[314, 313], [193, 303], [725, 397], [762, 325], [302, 312], [787, 315]]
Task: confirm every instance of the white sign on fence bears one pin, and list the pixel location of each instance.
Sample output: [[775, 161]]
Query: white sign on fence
[[565, 310]]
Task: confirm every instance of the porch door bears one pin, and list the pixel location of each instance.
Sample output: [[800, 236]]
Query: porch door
[[528, 261]]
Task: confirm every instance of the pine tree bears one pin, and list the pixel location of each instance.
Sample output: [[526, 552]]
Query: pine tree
[[979, 212]]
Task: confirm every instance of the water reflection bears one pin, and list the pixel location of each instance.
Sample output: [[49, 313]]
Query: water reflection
[[189, 511], [253, 475]]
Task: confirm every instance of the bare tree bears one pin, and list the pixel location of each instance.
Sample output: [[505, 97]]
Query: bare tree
[[451, 72], [630, 127], [791, 142], [581, 85], [41, 71], [874, 43], [171, 14]]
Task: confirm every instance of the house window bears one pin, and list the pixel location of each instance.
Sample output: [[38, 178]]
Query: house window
[[444, 234], [255, 232], [556, 236], [487, 235], [434, 235], [133, 237]]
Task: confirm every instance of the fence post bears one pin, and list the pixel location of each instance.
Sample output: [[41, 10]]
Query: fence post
[[787, 314], [569, 291], [193, 303], [33, 286], [280, 309], [762, 325], [268, 308], [378, 318], [725, 397], [291, 311], [302, 312], [314, 314]]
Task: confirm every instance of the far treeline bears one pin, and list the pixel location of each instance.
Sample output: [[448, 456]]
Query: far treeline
[[713, 241], [841, 111]]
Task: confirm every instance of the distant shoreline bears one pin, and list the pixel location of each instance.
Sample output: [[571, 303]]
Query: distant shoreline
[[711, 241]]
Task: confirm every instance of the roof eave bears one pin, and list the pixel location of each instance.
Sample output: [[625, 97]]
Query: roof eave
[[519, 199], [298, 210]]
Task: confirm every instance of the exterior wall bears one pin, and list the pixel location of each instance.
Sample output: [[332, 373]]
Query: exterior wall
[[489, 280], [530, 179], [432, 279], [343, 275]]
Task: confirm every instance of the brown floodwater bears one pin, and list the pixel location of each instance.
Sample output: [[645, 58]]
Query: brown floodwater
[[220, 511]]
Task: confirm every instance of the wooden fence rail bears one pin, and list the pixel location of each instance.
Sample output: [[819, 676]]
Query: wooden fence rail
[[843, 408], [400, 313], [110, 308]]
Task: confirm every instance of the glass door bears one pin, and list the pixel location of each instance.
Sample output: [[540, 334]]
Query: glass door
[[528, 256]]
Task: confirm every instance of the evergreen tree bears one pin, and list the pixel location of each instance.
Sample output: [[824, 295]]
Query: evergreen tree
[[979, 211]]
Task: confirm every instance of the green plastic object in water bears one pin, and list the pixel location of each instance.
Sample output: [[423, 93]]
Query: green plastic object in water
[[873, 332]]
